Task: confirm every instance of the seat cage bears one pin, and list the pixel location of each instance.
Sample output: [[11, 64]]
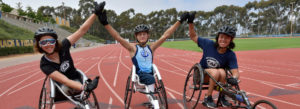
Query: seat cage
[[54, 85], [138, 86]]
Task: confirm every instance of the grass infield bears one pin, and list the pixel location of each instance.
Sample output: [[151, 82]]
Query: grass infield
[[242, 44]]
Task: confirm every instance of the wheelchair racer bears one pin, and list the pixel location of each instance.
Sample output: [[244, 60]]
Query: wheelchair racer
[[216, 57], [141, 53], [57, 62]]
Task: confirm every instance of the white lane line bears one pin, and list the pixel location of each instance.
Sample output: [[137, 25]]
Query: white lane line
[[286, 102], [116, 75], [25, 86], [110, 103], [18, 83], [106, 83], [172, 72], [267, 72], [2, 81], [261, 81], [173, 91], [173, 66], [15, 70], [178, 103]]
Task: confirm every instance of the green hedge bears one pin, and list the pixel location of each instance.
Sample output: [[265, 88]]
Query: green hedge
[[15, 50]]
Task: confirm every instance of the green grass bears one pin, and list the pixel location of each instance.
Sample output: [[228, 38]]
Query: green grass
[[8, 31], [243, 44]]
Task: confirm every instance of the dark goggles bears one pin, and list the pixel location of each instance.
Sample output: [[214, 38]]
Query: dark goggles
[[46, 41]]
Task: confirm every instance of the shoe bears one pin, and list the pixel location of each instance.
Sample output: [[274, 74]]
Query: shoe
[[224, 102], [209, 102]]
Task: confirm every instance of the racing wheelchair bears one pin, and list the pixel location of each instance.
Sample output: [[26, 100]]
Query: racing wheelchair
[[194, 84], [133, 85], [52, 93]]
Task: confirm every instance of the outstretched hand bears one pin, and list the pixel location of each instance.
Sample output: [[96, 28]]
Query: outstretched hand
[[191, 17], [99, 7], [184, 17], [101, 13]]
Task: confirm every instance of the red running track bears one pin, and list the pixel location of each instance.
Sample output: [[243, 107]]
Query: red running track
[[273, 75]]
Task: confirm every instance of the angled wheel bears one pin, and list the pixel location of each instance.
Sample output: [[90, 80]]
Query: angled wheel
[[193, 87], [45, 101], [263, 104], [162, 96], [92, 101], [128, 92]]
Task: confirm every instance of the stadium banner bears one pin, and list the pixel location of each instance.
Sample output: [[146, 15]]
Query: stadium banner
[[15, 43]]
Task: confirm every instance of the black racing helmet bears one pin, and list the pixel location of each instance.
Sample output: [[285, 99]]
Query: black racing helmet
[[45, 31], [228, 30], [141, 28]]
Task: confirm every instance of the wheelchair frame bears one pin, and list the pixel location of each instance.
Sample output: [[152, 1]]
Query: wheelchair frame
[[238, 96], [133, 85], [49, 94]]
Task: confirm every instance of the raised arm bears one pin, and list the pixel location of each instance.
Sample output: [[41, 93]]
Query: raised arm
[[166, 35], [101, 13], [82, 30], [169, 31], [117, 36], [192, 32]]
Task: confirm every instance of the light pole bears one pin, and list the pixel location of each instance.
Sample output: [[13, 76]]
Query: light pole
[[292, 17]]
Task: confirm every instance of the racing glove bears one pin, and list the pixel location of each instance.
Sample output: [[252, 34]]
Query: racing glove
[[191, 17], [184, 17], [91, 84], [232, 81]]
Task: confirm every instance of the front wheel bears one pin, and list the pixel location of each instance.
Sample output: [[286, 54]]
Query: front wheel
[[128, 92], [263, 104], [163, 102], [45, 101], [193, 87], [92, 102]]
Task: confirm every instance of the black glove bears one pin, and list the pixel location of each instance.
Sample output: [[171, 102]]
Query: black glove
[[101, 13], [99, 7], [91, 85], [103, 18], [191, 17], [184, 17], [232, 81]]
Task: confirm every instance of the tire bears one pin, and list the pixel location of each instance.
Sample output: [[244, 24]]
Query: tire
[[45, 101], [263, 104], [128, 92], [163, 101], [94, 104], [192, 93]]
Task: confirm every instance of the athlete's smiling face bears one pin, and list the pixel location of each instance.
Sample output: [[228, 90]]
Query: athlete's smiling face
[[224, 40], [47, 43]]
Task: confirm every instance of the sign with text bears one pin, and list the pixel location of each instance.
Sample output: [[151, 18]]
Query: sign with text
[[15, 43]]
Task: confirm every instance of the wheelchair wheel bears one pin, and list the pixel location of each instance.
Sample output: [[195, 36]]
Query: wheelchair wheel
[[162, 96], [128, 92], [263, 104], [92, 102], [45, 101], [193, 87]]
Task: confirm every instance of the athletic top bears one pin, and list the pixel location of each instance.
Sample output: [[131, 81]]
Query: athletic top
[[143, 59], [66, 65], [213, 59]]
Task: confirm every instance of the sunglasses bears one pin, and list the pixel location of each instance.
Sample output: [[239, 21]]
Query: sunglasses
[[46, 41]]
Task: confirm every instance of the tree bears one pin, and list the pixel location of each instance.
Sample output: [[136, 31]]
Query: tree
[[30, 13], [6, 8], [21, 12]]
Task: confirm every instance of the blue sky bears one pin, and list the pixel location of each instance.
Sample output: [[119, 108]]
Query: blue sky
[[140, 6]]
